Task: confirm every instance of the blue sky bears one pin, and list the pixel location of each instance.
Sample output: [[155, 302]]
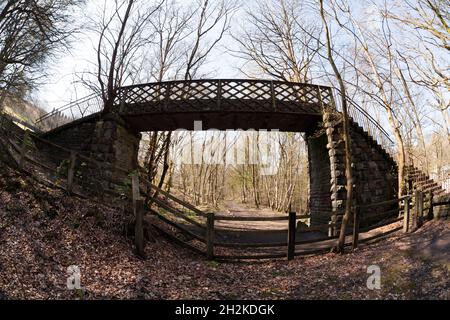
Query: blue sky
[[61, 88]]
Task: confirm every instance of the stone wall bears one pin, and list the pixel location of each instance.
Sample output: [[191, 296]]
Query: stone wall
[[75, 136], [442, 212], [373, 169], [113, 143], [107, 140], [319, 179]]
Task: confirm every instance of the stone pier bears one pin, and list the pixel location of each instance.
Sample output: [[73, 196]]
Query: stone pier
[[106, 139], [374, 171]]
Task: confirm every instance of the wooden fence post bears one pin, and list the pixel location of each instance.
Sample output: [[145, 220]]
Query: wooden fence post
[[210, 235], [356, 219], [71, 171], [135, 192], [430, 209], [406, 216], [419, 207], [291, 235], [138, 208], [414, 220], [23, 149], [139, 228]]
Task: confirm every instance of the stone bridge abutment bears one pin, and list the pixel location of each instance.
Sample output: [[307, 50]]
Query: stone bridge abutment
[[230, 104], [111, 140], [374, 171], [107, 139]]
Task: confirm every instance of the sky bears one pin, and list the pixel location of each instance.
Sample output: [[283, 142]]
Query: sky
[[60, 86]]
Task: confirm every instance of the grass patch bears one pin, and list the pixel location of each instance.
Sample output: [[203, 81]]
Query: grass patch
[[394, 278], [213, 264]]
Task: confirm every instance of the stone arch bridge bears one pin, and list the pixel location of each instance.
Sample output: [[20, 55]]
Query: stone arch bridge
[[237, 104]]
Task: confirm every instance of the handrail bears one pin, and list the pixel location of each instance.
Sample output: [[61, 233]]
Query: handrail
[[179, 201], [77, 109], [204, 89], [372, 127], [65, 107], [269, 92], [366, 114], [224, 80]]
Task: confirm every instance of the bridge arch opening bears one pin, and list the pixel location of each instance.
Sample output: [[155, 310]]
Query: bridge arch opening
[[242, 104], [260, 168]]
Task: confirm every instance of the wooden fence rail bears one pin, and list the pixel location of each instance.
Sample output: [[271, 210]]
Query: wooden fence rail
[[412, 210], [291, 235], [209, 237]]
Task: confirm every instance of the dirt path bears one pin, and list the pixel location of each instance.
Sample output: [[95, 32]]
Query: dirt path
[[235, 209], [254, 231], [438, 250], [274, 231], [430, 246]]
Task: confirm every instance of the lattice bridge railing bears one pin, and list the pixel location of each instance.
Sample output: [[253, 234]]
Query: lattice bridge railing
[[228, 95], [224, 95]]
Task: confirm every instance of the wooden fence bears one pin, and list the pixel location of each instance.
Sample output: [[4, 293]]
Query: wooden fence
[[201, 226], [58, 166]]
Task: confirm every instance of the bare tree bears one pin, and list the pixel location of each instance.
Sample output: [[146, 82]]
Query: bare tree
[[414, 115], [378, 73], [186, 36], [430, 16], [172, 25], [212, 18], [346, 135], [31, 32], [426, 50], [278, 41], [123, 31]]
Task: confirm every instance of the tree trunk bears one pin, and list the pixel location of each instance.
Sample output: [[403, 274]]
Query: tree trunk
[[346, 136]]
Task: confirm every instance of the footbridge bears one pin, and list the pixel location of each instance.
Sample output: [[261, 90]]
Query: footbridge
[[113, 137]]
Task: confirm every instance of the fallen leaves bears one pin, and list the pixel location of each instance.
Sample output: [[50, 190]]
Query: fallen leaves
[[37, 247]]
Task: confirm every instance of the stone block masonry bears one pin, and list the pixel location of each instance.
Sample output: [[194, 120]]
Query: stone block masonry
[[373, 169], [107, 140], [110, 140], [115, 144], [443, 211], [319, 179]]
